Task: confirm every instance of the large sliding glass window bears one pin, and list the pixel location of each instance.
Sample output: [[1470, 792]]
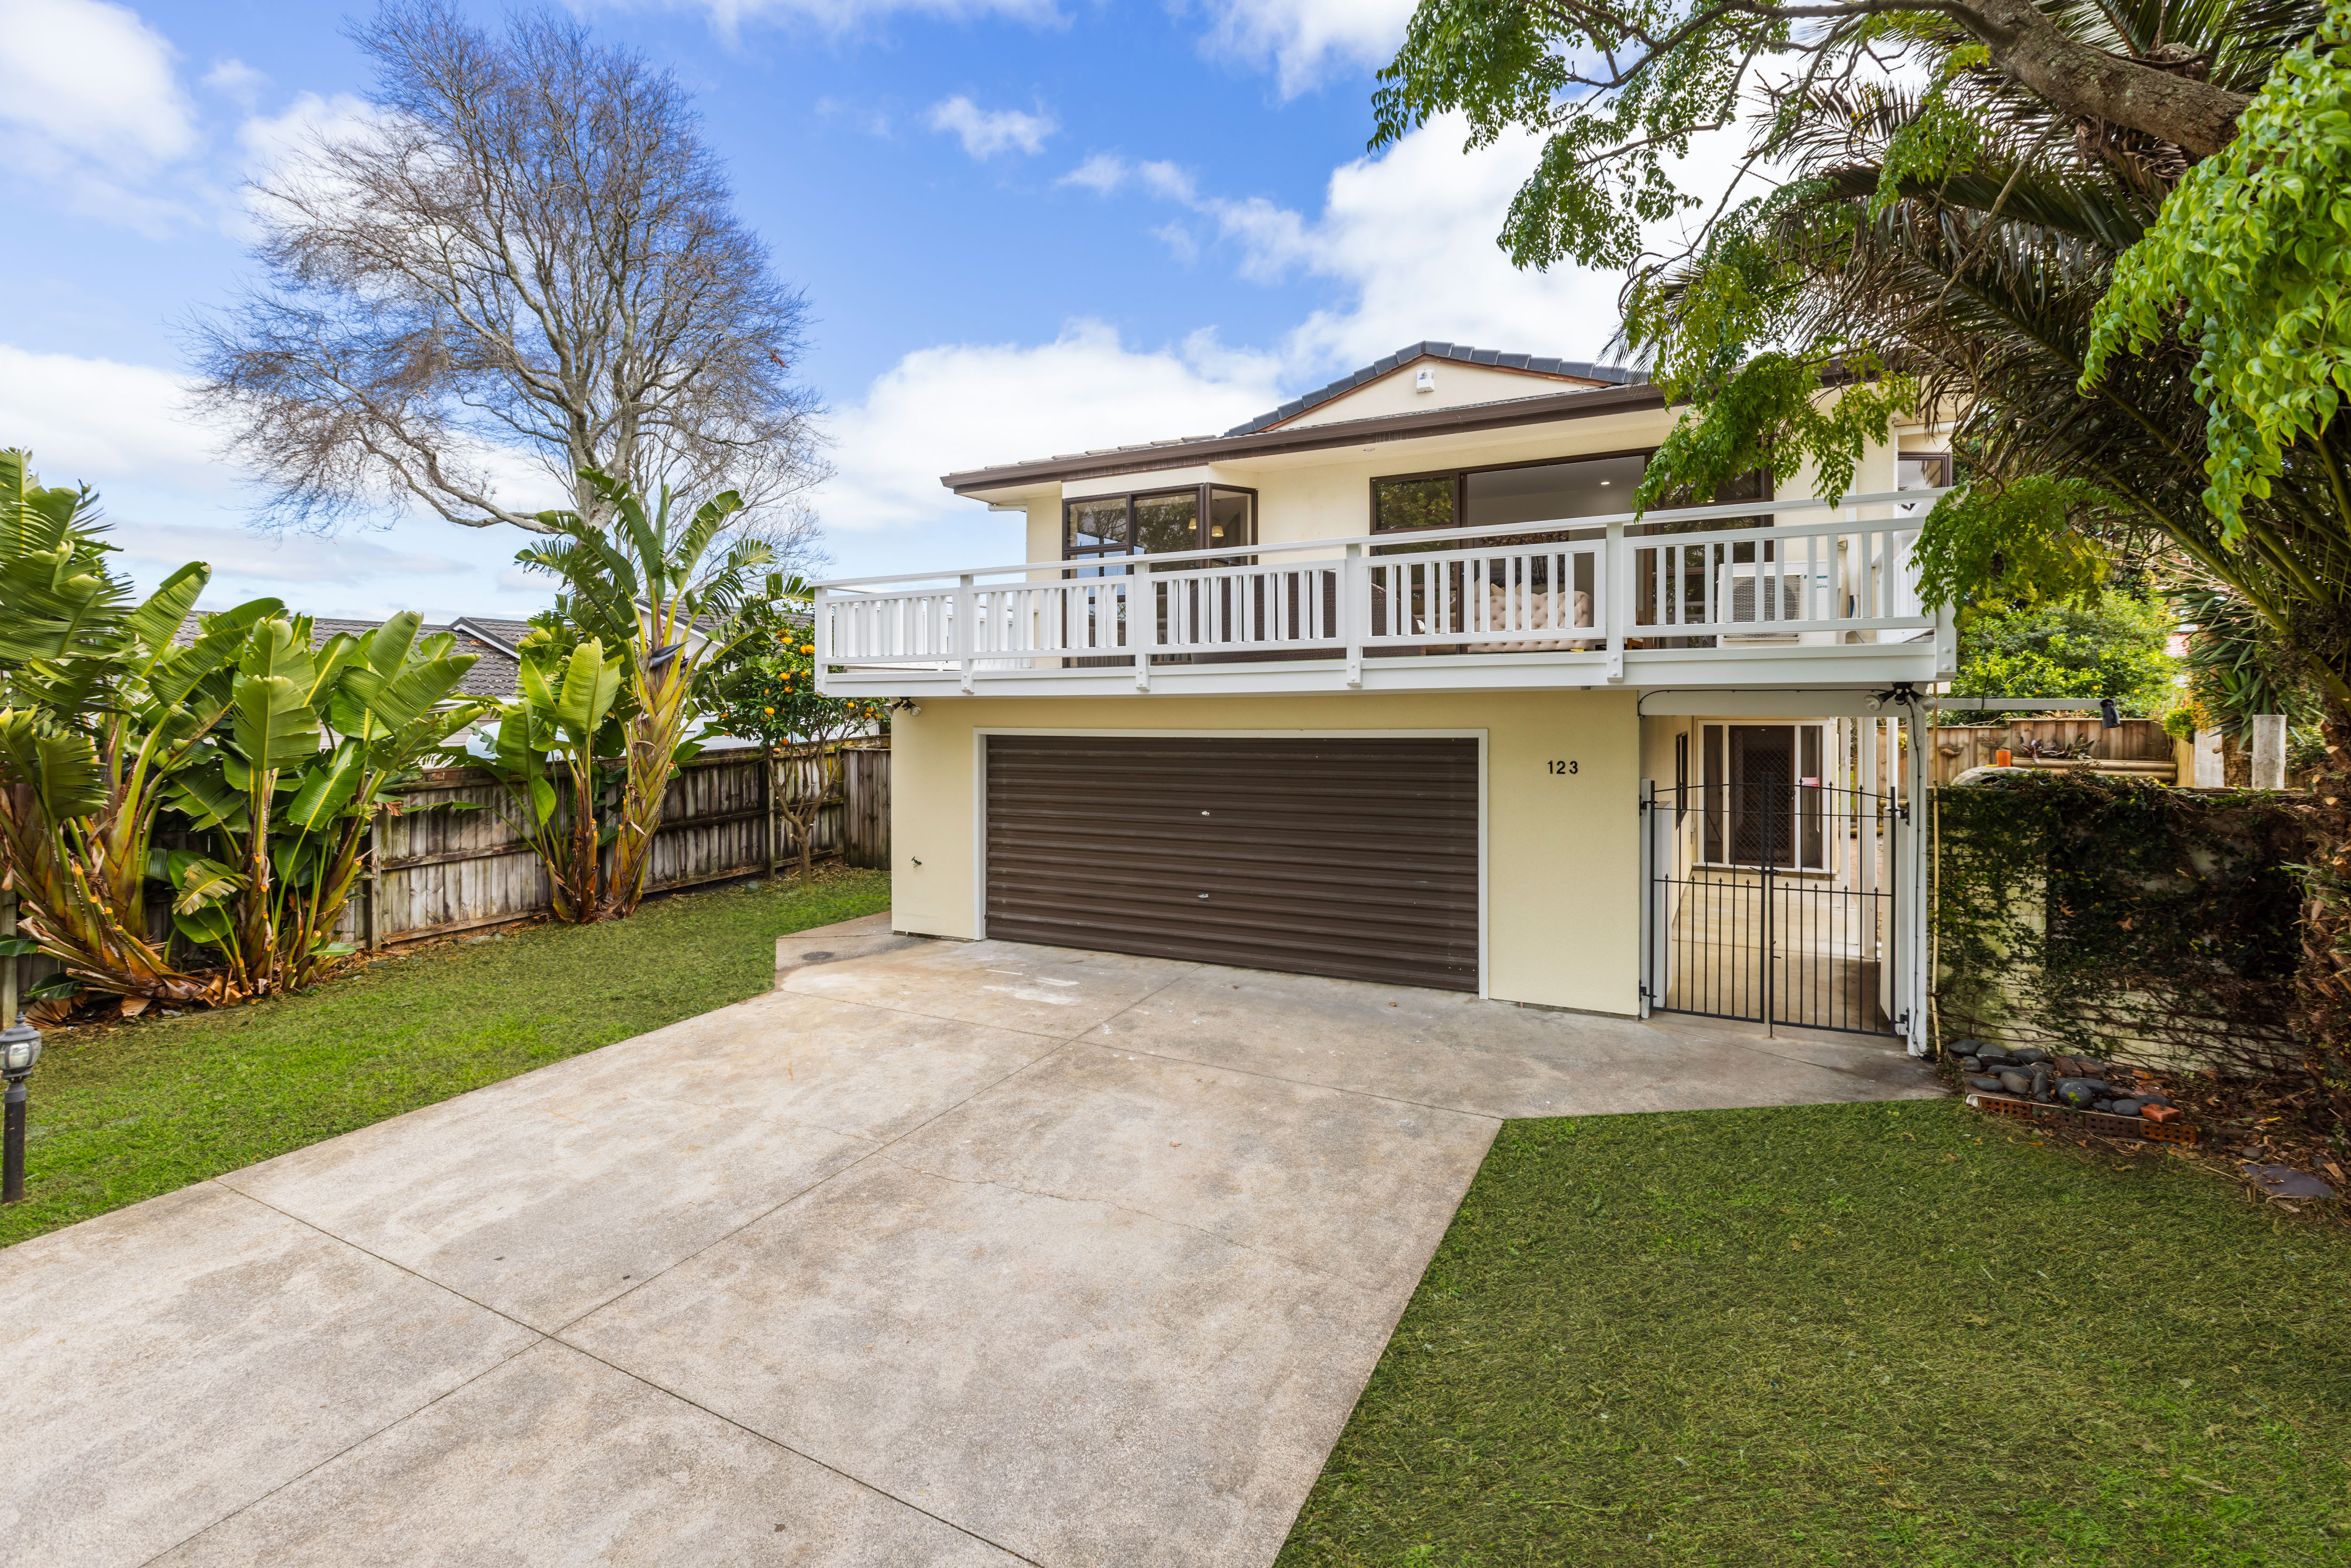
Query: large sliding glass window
[[1099, 530]]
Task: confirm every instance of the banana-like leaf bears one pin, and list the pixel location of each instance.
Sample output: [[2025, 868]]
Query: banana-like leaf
[[270, 722], [154, 622], [294, 860], [56, 605], [205, 797], [396, 701], [326, 790], [590, 682], [210, 925], [18, 947], [387, 649], [61, 766], [197, 882], [707, 520], [216, 646], [279, 649], [543, 800], [343, 651]]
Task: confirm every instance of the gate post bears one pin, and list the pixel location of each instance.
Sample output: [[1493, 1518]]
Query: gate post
[[1911, 881], [1656, 864]]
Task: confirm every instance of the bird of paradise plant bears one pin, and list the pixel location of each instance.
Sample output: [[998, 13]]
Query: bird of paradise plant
[[112, 731], [561, 721], [648, 592]]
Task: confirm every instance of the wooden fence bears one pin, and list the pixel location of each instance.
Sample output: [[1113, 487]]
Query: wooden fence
[[463, 867], [2138, 745]]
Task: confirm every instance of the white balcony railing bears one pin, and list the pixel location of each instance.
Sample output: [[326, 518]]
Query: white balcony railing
[[1582, 589]]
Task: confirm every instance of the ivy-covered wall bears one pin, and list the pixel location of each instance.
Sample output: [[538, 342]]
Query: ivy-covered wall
[[2111, 917]]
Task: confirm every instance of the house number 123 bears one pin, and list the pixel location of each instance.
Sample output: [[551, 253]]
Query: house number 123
[[1557, 767]]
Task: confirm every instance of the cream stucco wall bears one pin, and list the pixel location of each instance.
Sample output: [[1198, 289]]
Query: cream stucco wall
[[1327, 494], [1562, 852], [1459, 385]]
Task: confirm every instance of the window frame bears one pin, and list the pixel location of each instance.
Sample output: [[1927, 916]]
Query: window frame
[[1201, 523], [1460, 477], [1944, 458]]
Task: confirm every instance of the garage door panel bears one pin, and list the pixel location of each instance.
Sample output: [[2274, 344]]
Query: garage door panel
[[1339, 856], [1299, 870]]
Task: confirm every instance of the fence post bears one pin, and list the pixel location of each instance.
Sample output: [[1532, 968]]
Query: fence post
[[372, 886], [2269, 751], [2210, 771], [768, 799]]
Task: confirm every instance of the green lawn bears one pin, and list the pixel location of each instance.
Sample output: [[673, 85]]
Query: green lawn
[[125, 1114], [1850, 1335]]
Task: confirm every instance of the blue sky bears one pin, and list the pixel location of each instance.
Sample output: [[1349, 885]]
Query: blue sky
[[1023, 225]]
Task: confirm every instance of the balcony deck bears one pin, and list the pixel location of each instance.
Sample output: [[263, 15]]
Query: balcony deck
[[1693, 597]]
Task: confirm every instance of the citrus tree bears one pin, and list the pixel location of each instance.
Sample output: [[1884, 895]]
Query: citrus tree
[[769, 695]]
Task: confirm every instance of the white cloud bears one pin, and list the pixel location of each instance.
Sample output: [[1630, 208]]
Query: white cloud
[[94, 108], [283, 146], [847, 15], [1179, 241], [264, 561], [101, 422], [1303, 41], [1106, 172], [985, 132], [1407, 236], [93, 81], [1101, 173], [127, 432], [235, 79], [961, 405]]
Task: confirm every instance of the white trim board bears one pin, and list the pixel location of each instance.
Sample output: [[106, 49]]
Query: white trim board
[[980, 735]]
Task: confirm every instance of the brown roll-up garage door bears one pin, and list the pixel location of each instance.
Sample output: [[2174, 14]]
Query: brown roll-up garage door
[[1348, 857]]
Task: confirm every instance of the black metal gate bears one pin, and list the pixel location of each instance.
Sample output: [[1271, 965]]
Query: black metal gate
[[1773, 901]]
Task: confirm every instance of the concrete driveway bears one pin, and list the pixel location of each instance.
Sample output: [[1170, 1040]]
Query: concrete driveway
[[941, 1253]]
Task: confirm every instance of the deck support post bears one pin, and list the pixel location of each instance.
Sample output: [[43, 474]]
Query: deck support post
[[1618, 598], [1355, 610]]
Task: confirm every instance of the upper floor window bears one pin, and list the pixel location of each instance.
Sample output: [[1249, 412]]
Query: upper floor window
[[1098, 528], [1920, 471], [1497, 498]]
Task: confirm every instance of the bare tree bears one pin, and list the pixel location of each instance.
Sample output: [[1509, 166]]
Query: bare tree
[[530, 252]]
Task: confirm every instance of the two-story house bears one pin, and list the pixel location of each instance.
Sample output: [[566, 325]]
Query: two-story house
[[1388, 683]]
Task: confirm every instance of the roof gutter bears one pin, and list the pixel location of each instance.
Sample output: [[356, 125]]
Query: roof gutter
[[1556, 406]]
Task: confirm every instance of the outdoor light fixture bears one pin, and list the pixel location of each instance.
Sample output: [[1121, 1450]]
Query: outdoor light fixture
[[20, 1047], [2109, 716]]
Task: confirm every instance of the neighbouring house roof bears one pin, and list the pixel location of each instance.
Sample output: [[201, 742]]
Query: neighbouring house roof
[[1619, 389]]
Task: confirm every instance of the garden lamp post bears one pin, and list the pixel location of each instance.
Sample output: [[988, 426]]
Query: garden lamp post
[[20, 1047]]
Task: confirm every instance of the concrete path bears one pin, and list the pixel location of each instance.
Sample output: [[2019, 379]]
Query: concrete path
[[941, 1253]]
